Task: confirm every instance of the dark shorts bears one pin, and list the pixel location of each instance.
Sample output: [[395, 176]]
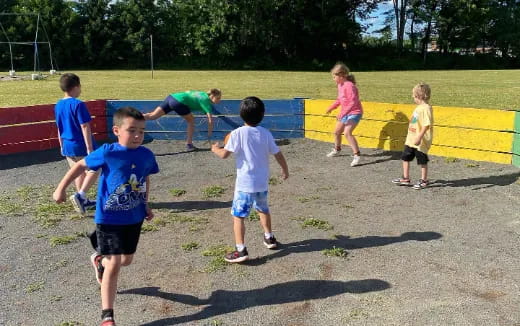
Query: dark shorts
[[409, 153], [170, 104], [116, 239]]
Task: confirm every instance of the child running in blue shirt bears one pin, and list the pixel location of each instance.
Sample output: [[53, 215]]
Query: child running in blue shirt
[[75, 137], [252, 145], [122, 202]]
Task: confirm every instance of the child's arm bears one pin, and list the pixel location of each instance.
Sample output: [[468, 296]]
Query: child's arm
[[210, 125], [281, 160], [333, 106], [155, 114], [220, 152], [87, 136], [419, 137], [149, 213], [77, 169]]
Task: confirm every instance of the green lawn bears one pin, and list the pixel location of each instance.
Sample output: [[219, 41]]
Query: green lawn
[[476, 88]]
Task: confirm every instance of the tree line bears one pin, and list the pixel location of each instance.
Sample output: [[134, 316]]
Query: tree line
[[262, 34]]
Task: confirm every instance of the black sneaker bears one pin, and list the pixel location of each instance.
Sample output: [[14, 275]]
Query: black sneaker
[[237, 256], [89, 204], [108, 321], [78, 203], [95, 259], [271, 242], [190, 148]]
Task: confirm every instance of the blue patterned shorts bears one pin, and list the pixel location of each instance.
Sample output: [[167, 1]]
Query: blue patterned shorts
[[243, 201], [351, 117]]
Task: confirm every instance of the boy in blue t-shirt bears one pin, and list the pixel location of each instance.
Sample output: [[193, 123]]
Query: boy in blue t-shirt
[[122, 202], [75, 136], [252, 146]]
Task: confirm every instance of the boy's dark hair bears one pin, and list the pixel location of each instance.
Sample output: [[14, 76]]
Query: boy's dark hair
[[126, 112], [252, 110], [68, 81]]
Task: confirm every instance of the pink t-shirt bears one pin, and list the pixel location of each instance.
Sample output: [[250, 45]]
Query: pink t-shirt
[[348, 98]]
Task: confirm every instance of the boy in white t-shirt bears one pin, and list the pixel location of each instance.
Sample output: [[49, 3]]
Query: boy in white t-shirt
[[252, 146]]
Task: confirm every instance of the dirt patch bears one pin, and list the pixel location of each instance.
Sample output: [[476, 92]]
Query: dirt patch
[[445, 255]]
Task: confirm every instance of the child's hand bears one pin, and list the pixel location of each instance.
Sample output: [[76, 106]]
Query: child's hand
[[328, 111], [149, 214], [59, 196], [215, 147], [285, 175], [418, 141]]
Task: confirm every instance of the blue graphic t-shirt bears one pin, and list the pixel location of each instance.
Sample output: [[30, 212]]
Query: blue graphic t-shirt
[[121, 198], [70, 114]]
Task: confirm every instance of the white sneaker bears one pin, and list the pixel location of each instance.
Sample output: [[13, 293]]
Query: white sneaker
[[355, 160], [333, 153]]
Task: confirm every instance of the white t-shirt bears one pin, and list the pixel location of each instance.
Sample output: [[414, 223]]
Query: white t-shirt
[[252, 147]]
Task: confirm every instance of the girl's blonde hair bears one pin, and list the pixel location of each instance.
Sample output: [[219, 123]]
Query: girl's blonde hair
[[422, 91], [340, 69], [215, 92]]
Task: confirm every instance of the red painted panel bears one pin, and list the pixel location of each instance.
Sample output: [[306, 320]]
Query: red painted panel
[[38, 145], [45, 112], [18, 134], [9, 116]]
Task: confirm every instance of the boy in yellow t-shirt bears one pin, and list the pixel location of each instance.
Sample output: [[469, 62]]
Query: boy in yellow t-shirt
[[419, 137]]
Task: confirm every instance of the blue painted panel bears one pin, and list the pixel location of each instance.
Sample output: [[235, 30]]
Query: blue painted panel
[[217, 136], [225, 107], [283, 117]]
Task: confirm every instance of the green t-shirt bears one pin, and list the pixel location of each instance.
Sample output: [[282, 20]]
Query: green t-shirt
[[195, 100]]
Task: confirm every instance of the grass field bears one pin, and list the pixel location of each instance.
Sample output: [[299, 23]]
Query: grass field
[[476, 88]]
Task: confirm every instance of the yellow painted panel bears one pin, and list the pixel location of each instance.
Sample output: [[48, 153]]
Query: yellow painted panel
[[444, 116], [486, 140], [470, 154]]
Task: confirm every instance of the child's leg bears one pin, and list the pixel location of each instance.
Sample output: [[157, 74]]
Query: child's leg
[[112, 265], [78, 182], [406, 169], [424, 172], [338, 130], [88, 181], [191, 127], [239, 230], [265, 220], [349, 128]]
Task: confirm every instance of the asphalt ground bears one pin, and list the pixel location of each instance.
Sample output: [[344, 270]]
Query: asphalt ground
[[444, 255]]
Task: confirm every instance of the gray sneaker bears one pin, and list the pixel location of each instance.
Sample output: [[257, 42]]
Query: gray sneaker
[[237, 256]]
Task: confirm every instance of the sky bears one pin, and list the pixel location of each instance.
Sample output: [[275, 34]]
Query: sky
[[377, 18]]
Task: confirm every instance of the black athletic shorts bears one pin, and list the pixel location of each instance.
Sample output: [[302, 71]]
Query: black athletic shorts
[[409, 153], [116, 239], [171, 104]]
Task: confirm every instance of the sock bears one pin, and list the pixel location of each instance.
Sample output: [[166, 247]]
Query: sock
[[82, 194], [240, 246], [105, 313], [268, 235]]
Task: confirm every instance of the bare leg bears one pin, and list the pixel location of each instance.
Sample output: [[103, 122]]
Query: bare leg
[[191, 127], [89, 180], [338, 130], [349, 129], [112, 265], [406, 170], [78, 182], [265, 220], [239, 229], [424, 172]]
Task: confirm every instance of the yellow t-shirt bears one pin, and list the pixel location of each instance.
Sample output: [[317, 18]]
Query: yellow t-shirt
[[422, 116]]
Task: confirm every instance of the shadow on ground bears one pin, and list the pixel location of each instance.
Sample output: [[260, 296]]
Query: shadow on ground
[[222, 301], [483, 182], [342, 241], [19, 160], [191, 205]]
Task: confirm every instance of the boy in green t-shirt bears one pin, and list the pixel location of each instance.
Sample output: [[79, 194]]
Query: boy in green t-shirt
[[184, 103], [419, 137]]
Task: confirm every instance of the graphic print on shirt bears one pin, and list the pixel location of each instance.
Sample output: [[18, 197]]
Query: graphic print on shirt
[[415, 117], [127, 196]]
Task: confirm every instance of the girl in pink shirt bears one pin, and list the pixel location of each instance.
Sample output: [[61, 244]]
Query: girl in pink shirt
[[350, 113]]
